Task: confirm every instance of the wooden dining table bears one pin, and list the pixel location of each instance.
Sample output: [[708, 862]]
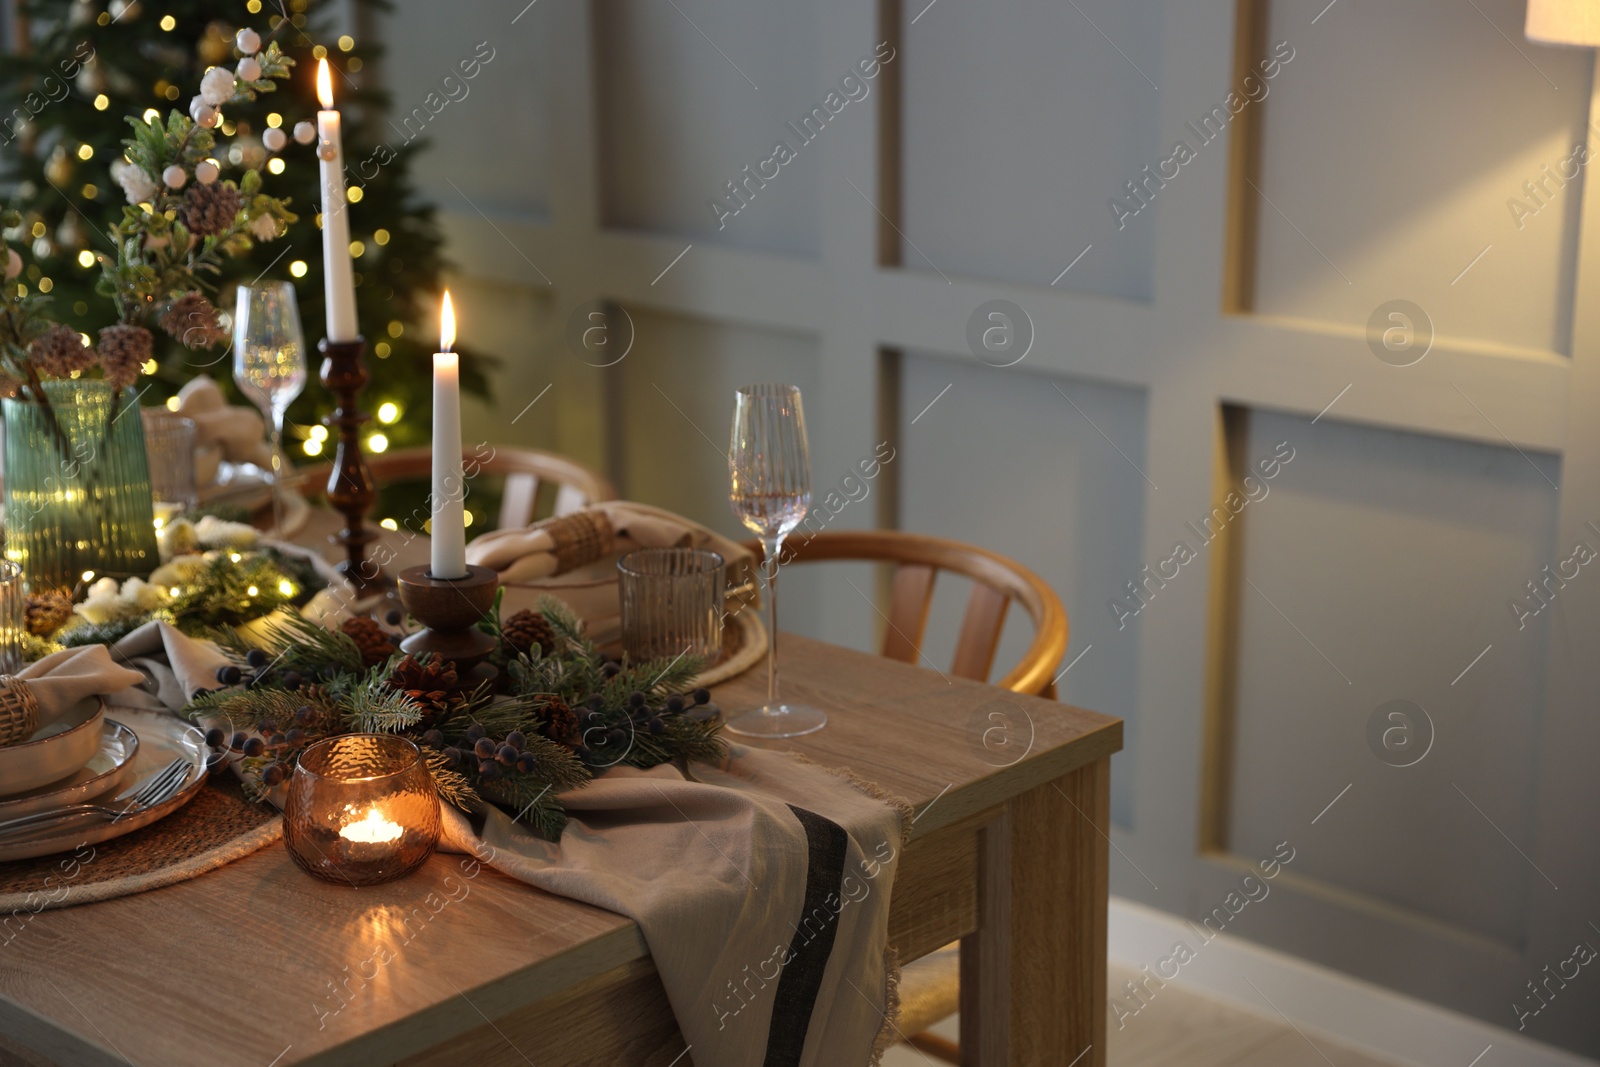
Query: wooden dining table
[[255, 964]]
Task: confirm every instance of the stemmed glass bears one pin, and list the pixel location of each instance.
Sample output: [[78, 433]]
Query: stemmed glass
[[769, 465], [269, 363]]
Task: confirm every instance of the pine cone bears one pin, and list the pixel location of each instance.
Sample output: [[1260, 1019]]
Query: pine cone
[[209, 210], [59, 351], [123, 350], [192, 320], [433, 684], [558, 722], [374, 642], [46, 610], [527, 628]]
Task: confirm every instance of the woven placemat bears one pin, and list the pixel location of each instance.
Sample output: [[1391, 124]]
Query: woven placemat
[[218, 826]]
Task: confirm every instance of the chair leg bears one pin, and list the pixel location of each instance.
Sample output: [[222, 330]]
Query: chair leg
[[934, 1045]]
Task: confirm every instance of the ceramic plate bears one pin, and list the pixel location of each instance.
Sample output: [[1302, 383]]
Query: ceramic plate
[[163, 737], [105, 772], [56, 751]]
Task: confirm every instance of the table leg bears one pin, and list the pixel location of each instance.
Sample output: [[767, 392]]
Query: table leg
[[1033, 976]]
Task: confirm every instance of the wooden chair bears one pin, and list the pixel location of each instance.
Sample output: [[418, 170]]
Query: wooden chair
[[524, 470], [930, 987], [997, 581]]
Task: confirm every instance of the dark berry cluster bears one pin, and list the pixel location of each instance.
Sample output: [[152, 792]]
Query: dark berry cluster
[[480, 752], [281, 742], [255, 671]]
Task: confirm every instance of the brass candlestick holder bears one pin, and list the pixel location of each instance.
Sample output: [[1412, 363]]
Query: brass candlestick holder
[[351, 490], [449, 609]]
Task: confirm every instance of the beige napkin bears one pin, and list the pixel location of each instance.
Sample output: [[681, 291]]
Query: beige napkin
[[170, 666], [239, 432], [531, 561], [762, 888], [529, 553], [61, 679]]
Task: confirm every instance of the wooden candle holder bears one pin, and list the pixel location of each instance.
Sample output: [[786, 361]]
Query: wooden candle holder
[[450, 610], [351, 490]]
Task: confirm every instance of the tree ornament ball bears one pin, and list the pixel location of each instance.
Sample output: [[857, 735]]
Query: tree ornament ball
[[175, 176], [274, 139], [249, 69], [327, 151], [124, 10], [206, 172], [59, 167], [305, 132], [13, 264], [248, 41], [216, 44]]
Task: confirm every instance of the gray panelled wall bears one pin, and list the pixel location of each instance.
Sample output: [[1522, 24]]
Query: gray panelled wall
[[1208, 317]]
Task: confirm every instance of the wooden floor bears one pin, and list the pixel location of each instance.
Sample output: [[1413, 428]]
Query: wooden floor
[[1181, 1029]]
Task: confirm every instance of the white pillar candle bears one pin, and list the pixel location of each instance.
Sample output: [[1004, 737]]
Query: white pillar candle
[[338, 285], [449, 546]]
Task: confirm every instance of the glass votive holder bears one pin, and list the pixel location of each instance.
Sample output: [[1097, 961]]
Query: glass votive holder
[[671, 603], [361, 809], [13, 606], [169, 441]]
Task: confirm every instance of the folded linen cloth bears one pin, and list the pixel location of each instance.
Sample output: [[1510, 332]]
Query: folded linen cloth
[[762, 888], [238, 432], [63, 678], [573, 556], [168, 666]]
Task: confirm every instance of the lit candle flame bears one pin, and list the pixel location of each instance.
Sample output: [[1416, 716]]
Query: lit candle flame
[[371, 829], [447, 323], [324, 85]]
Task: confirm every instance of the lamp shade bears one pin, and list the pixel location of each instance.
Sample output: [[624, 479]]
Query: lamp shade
[[1564, 21]]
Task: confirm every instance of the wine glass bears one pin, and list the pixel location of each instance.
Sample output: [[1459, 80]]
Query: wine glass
[[269, 363], [769, 465]]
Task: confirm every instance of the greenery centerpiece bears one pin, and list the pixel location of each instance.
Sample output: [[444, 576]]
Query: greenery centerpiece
[[552, 714]]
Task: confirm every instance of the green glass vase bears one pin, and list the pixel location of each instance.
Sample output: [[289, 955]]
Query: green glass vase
[[77, 485]]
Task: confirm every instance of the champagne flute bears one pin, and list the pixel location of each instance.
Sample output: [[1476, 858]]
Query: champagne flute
[[769, 466], [269, 363]]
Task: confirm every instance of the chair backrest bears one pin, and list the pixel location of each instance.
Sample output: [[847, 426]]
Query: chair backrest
[[523, 469], [997, 581]]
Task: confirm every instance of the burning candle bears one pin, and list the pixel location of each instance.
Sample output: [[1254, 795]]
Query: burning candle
[[448, 559], [338, 285], [370, 837]]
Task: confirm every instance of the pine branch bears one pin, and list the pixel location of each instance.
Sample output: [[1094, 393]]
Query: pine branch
[[372, 707], [454, 787]]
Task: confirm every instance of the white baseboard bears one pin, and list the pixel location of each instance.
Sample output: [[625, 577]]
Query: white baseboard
[[1353, 1012]]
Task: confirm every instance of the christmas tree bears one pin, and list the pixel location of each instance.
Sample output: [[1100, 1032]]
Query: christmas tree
[[66, 94]]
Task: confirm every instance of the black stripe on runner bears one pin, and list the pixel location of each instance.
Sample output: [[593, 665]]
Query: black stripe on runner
[[812, 945]]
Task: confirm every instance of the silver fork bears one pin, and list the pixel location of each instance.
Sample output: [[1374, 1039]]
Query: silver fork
[[155, 790]]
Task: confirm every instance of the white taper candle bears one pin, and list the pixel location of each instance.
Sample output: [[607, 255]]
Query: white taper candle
[[338, 283], [449, 536]]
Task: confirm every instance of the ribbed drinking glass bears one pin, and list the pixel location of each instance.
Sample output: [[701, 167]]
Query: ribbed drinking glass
[[671, 603]]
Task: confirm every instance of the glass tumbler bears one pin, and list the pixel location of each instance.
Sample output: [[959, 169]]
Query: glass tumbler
[[671, 603], [361, 809], [169, 443]]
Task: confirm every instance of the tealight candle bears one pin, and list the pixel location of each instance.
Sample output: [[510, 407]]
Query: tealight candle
[[361, 809], [369, 837]]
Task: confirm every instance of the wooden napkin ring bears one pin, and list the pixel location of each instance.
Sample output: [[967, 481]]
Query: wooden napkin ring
[[19, 710], [580, 538]]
